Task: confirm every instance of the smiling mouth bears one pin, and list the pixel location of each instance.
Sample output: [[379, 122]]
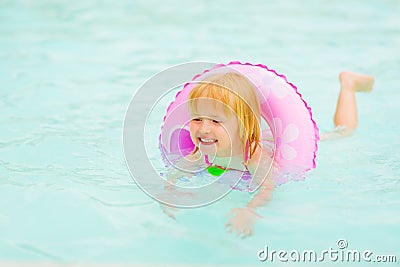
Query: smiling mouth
[[206, 141]]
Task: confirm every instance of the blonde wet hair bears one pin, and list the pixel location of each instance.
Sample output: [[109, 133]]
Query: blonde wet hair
[[238, 95]]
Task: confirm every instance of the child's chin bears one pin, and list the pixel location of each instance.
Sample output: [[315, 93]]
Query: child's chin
[[208, 150]]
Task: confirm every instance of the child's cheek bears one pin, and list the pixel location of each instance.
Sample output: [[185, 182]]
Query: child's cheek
[[192, 129]]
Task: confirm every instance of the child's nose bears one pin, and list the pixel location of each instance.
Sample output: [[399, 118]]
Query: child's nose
[[205, 126]]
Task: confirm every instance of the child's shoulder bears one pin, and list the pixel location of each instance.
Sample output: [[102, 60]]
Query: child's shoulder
[[262, 153], [261, 161]]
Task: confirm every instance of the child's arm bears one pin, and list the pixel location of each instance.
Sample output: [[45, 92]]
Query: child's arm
[[263, 195], [172, 178], [243, 219], [262, 173]]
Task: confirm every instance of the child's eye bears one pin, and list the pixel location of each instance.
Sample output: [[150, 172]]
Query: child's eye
[[215, 121], [196, 119]]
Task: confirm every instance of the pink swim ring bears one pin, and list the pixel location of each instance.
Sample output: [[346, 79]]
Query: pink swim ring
[[293, 131]]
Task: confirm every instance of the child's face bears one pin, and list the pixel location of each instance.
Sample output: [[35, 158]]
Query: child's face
[[213, 131]]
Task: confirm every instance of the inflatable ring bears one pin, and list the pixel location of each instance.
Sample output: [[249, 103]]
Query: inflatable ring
[[293, 131]]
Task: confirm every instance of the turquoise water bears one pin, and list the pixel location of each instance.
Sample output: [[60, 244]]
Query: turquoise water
[[69, 69]]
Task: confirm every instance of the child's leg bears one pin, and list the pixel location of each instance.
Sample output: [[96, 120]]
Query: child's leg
[[346, 118], [346, 109]]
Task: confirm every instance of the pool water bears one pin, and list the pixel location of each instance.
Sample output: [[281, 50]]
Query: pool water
[[68, 71]]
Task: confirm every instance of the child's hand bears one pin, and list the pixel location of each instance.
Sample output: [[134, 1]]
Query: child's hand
[[169, 210], [242, 221]]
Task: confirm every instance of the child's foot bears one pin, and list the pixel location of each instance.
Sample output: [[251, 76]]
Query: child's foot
[[356, 82]]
